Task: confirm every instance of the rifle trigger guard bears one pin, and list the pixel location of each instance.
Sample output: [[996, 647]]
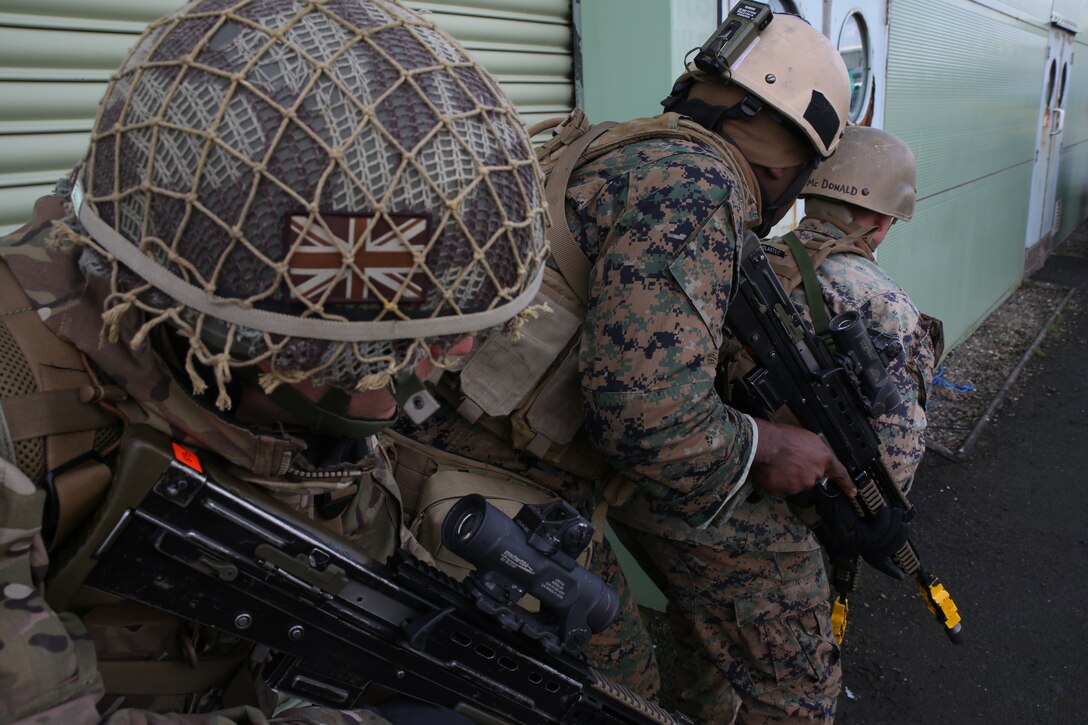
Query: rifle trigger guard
[[828, 490]]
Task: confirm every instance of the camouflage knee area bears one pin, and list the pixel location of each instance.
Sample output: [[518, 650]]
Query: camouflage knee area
[[623, 652], [762, 620]]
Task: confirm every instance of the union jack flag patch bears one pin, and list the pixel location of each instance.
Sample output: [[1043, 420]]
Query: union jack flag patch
[[381, 249]]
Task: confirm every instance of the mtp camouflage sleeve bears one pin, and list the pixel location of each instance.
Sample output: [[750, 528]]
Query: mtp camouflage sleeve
[[661, 221], [48, 666]]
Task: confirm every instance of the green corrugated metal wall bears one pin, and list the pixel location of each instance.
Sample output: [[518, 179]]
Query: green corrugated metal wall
[[968, 105], [56, 56]]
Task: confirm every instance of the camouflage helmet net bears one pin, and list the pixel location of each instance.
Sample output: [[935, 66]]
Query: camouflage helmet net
[[315, 188]]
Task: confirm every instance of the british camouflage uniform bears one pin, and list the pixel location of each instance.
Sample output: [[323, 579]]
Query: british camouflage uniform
[[56, 666]]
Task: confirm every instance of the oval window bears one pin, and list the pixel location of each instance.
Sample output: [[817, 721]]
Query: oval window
[[854, 49], [1050, 82]]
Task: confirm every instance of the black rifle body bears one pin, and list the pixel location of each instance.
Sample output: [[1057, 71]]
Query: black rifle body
[[346, 629], [797, 369]]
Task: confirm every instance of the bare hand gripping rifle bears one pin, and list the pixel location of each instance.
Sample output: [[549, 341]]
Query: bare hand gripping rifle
[[343, 629], [832, 387]]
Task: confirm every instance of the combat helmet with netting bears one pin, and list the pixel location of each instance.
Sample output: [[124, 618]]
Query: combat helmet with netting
[[315, 189]]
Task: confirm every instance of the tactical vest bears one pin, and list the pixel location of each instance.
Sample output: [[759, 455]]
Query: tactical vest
[[526, 388], [784, 262]]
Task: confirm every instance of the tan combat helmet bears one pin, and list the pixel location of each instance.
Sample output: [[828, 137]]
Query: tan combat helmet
[[308, 190], [790, 67], [871, 169]]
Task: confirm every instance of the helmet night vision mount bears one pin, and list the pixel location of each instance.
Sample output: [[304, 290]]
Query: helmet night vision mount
[[733, 37]]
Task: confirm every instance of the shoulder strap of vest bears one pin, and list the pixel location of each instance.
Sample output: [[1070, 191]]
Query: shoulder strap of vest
[[569, 257], [59, 405], [62, 409], [577, 143], [784, 263]]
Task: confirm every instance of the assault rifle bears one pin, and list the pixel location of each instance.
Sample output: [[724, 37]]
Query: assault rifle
[[831, 387], [344, 630]]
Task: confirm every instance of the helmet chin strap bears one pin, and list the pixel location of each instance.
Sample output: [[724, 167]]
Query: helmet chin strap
[[327, 416], [710, 117], [787, 198]]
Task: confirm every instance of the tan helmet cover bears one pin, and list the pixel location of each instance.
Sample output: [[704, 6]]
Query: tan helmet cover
[[871, 169], [798, 72]]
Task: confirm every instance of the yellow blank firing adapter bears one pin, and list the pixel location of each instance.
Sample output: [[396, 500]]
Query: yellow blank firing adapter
[[838, 618], [733, 37]]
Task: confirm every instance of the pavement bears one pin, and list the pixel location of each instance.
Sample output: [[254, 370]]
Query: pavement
[[1006, 529]]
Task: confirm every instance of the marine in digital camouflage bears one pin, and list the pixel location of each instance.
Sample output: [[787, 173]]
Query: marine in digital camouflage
[[855, 282], [62, 680], [660, 219], [744, 577]]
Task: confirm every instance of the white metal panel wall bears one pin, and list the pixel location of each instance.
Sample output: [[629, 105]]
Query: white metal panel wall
[[57, 55]]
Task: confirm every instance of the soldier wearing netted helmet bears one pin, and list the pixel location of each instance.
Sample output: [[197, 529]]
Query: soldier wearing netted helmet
[[288, 211], [851, 203]]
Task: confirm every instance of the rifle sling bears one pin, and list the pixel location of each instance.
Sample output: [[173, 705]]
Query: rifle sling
[[817, 308]]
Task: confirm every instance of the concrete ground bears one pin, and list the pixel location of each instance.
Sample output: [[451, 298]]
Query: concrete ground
[[1007, 530]]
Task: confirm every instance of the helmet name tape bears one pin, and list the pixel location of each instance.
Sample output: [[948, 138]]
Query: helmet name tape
[[814, 185]]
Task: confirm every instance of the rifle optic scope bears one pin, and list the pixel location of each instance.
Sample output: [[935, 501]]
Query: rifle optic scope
[[877, 389], [533, 553]]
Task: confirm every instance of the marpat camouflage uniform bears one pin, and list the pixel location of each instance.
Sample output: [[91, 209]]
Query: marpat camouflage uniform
[[746, 584], [854, 282], [661, 219], [49, 670], [746, 587]]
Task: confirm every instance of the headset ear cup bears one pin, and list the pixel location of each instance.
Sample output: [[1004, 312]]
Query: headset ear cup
[[679, 91]]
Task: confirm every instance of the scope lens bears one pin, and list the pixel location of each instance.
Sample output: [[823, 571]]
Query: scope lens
[[844, 321], [468, 525]]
